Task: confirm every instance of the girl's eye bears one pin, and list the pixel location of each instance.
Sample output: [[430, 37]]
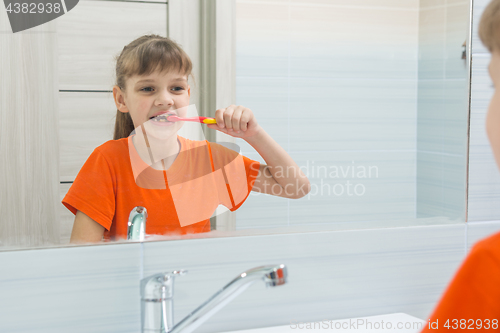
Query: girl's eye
[[147, 89], [178, 88]]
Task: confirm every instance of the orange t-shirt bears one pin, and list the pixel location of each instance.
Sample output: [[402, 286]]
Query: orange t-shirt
[[180, 200], [472, 299]]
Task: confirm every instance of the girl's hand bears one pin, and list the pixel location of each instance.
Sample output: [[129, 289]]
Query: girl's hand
[[237, 121]]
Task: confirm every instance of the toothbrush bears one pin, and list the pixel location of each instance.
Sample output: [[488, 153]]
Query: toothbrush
[[204, 120]]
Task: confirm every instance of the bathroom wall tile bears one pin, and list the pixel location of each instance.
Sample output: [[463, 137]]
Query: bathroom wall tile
[[432, 43], [351, 114], [364, 186], [159, 1], [456, 116], [425, 4], [29, 139], [451, 3], [268, 100], [441, 186], [457, 32], [484, 188], [430, 117], [477, 11], [484, 177], [86, 121], [75, 289], [331, 274], [477, 231], [379, 4], [443, 28], [262, 42], [442, 121], [354, 41], [66, 217], [4, 21], [481, 93], [262, 210], [94, 32]]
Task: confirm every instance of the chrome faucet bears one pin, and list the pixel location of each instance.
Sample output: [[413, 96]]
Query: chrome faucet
[[157, 298], [136, 229], [157, 303]]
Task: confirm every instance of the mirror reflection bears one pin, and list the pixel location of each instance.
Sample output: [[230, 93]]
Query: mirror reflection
[[358, 110]]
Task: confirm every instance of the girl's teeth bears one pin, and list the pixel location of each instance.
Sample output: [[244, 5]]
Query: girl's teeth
[[160, 119]]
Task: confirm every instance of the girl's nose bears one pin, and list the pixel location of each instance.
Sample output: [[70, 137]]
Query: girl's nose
[[164, 99]]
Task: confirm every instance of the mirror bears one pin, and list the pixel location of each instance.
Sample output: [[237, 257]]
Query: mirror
[[370, 99]]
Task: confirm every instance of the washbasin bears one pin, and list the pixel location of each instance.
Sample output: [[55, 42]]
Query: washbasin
[[395, 323]]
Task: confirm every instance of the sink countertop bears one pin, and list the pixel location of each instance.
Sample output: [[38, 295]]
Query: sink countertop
[[395, 322]]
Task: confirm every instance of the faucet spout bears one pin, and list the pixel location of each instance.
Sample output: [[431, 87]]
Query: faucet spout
[[272, 275], [136, 229]]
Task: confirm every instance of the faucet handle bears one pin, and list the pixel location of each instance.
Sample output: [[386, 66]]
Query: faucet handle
[[179, 272], [160, 286]]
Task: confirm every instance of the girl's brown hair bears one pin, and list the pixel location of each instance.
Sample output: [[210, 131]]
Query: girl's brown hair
[[489, 26], [144, 56]]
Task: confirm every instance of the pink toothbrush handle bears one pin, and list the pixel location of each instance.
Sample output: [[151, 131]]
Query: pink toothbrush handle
[[204, 120]]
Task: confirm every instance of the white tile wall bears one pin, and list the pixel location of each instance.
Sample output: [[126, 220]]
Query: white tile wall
[[382, 187], [441, 185], [365, 41], [457, 30], [477, 11], [76, 289], [432, 42], [442, 117], [379, 4], [331, 274], [262, 44], [480, 230], [356, 70], [443, 28], [270, 108], [351, 114], [381, 192]]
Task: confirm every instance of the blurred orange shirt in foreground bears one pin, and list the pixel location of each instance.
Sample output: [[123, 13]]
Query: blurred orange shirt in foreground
[[472, 300]]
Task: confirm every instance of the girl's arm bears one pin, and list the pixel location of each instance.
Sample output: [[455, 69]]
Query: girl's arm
[[281, 176], [86, 230]]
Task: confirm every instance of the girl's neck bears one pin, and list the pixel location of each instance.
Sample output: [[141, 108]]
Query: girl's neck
[[162, 152]]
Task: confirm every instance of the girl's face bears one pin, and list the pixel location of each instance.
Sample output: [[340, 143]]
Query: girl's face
[[148, 96]]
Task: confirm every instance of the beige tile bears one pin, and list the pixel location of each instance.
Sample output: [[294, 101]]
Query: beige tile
[[94, 32], [408, 4], [65, 215], [86, 120]]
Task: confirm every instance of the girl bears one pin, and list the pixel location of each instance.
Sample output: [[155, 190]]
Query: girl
[[179, 181]]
